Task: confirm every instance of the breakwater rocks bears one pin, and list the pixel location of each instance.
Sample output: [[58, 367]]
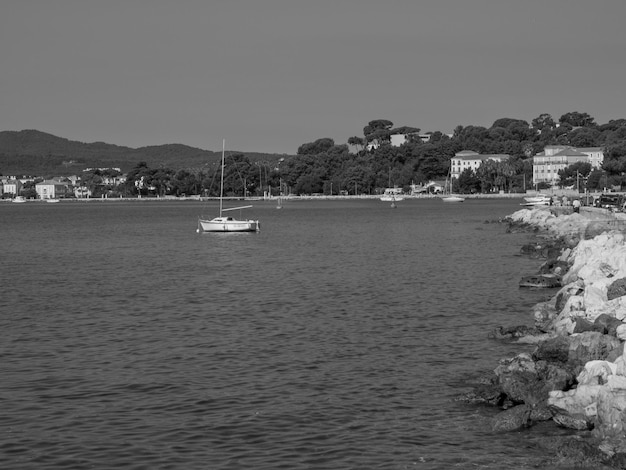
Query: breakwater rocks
[[576, 374]]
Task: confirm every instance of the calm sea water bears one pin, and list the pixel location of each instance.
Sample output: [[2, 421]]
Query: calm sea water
[[336, 338]]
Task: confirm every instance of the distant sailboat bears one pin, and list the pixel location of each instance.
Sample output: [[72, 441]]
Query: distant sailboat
[[448, 196], [227, 224]]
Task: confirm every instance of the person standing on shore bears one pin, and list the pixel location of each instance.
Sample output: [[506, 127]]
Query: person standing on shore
[[576, 205]]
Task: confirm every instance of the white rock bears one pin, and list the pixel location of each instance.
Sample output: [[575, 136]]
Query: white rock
[[616, 382], [596, 373], [575, 401]]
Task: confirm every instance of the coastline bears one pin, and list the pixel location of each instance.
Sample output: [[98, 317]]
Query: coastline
[[502, 195], [576, 375]]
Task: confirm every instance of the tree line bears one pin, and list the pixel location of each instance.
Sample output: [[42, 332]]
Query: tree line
[[369, 163]]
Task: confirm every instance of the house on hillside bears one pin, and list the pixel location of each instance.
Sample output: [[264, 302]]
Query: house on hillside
[[52, 189], [554, 158], [400, 139], [469, 159]]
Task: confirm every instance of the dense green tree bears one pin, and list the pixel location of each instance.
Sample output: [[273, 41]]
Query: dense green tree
[[468, 182], [314, 148], [185, 183], [584, 137], [359, 142], [575, 174], [93, 181], [377, 124], [576, 119], [597, 180], [543, 122], [378, 132]]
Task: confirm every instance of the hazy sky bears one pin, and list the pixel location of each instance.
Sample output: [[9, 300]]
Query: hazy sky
[[271, 75]]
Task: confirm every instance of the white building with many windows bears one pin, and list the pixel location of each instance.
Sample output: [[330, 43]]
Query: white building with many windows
[[554, 158], [472, 160], [11, 186], [51, 189]]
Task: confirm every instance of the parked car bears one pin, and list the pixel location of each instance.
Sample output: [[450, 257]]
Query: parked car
[[610, 201]]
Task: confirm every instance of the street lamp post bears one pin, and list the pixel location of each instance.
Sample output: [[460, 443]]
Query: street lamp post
[[280, 177]]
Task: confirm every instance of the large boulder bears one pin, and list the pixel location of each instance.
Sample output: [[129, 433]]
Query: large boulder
[[611, 409], [578, 453], [512, 419], [591, 345], [616, 289], [574, 288], [544, 314], [553, 350], [524, 380], [578, 349], [607, 324]]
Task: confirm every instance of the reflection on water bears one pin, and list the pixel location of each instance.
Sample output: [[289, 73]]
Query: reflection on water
[[337, 337]]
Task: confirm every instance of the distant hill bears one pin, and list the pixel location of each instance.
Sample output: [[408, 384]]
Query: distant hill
[[31, 152]]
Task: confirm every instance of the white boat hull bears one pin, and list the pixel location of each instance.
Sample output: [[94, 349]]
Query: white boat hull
[[391, 198], [228, 224], [536, 201], [537, 198], [453, 199]]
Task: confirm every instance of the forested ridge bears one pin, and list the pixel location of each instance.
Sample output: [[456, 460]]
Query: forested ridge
[[364, 164]]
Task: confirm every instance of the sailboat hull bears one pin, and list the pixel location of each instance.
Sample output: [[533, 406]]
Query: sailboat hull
[[453, 199], [228, 224]]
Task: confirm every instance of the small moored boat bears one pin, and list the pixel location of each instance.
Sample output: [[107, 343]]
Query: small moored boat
[[538, 200], [392, 195], [227, 224]]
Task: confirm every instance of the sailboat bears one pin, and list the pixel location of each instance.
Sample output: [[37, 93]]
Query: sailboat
[[223, 223], [448, 196], [392, 194]]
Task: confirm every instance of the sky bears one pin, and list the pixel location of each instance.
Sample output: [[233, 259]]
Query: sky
[[270, 75]]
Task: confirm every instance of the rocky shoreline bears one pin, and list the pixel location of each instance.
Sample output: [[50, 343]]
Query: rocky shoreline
[[576, 374]]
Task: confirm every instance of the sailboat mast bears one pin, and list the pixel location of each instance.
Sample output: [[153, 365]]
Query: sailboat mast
[[222, 181]]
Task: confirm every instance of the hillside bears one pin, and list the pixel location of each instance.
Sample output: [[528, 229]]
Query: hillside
[[31, 152]]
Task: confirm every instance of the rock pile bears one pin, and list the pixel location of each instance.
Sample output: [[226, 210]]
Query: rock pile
[[576, 375]]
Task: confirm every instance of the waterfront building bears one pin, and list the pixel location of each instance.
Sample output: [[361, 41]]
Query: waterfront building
[[51, 189], [554, 158], [469, 159], [11, 186]]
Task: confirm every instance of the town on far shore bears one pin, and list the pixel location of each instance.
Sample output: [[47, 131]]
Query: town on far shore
[[547, 169], [512, 157]]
